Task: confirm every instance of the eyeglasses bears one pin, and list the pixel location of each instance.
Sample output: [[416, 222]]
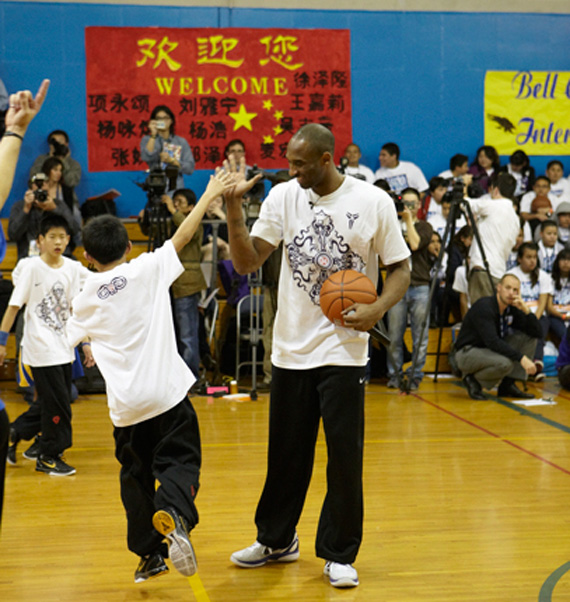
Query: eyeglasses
[[162, 117]]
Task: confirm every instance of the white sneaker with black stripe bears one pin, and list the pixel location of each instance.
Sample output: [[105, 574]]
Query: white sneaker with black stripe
[[258, 554], [341, 575]]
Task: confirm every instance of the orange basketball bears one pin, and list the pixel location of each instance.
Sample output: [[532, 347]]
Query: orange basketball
[[341, 290]]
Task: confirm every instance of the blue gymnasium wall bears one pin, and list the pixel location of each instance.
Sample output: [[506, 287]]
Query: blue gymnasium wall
[[417, 78]]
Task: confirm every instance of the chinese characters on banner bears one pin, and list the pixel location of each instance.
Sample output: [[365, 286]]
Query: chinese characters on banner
[[258, 85], [528, 110]]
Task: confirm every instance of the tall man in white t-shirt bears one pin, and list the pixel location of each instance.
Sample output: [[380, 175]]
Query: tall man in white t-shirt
[[498, 225], [327, 222]]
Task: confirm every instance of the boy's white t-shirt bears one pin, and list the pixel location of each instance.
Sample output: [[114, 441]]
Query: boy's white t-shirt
[[547, 255], [530, 294], [127, 314], [406, 174], [561, 298], [47, 293], [347, 229]]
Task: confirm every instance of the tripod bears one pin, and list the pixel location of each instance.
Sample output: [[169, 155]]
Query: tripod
[[458, 206], [158, 222]]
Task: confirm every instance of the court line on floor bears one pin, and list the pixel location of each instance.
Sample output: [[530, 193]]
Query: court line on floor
[[490, 433], [198, 588], [545, 594]]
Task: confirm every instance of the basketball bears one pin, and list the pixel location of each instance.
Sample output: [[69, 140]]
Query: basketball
[[341, 290]]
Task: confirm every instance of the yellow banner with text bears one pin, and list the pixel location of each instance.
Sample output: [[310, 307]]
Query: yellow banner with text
[[528, 110]]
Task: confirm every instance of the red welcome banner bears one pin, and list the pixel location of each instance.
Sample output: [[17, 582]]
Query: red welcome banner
[[258, 85]]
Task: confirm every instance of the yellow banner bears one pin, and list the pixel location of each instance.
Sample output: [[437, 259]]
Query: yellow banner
[[528, 110]]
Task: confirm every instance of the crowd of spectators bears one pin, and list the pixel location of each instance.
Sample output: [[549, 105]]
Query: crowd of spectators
[[523, 220], [513, 209]]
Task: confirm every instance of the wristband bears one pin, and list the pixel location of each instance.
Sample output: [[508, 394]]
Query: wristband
[[8, 133], [153, 137], [85, 344], [3, 337]]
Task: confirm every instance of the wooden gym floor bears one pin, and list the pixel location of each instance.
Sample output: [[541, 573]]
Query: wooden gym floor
[[464, 501]]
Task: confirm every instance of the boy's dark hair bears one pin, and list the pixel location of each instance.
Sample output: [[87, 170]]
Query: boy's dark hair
[[546, 223], [188, 194], [53, 220], [412, 190], [457, 161], [392, 148], [382, 184], [504, 182], [435, 182], [545, 178], [555, 162], [105, 238]]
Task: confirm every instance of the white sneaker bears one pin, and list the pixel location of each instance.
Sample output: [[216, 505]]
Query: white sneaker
[[258, 554], [341, 575]]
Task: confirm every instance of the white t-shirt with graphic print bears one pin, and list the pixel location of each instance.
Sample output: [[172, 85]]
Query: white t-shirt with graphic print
[[47, 293], [347, 229], [127, 313], [561, 297], [529, 293], [406, 174]]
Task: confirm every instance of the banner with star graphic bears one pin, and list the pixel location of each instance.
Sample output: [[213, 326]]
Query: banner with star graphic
[[256, 85]]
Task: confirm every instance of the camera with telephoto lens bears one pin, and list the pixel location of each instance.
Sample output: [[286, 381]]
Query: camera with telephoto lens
[[158, 181], [155, 182], [59, 149], [39, 180], [398, 203]]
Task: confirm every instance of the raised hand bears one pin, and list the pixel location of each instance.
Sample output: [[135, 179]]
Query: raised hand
[[241, 185], [219, 183], [23, 108]]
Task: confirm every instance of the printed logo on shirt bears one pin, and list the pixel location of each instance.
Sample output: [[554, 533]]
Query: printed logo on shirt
[[318, 251], [53, 309], [398, 183], [352, 217], [107, 290]]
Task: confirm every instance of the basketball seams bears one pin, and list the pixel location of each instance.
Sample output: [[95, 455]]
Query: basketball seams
[[343, 289]]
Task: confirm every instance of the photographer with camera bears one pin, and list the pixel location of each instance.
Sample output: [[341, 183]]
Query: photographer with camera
[[58, 141], [162, 150], [415, 302], [25, 216]]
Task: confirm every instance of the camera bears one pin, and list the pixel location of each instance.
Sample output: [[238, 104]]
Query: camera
[[39, 180], [158, 181], [59, 149], [160, 125], [155, 183], [258, 191], [398, 203]]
